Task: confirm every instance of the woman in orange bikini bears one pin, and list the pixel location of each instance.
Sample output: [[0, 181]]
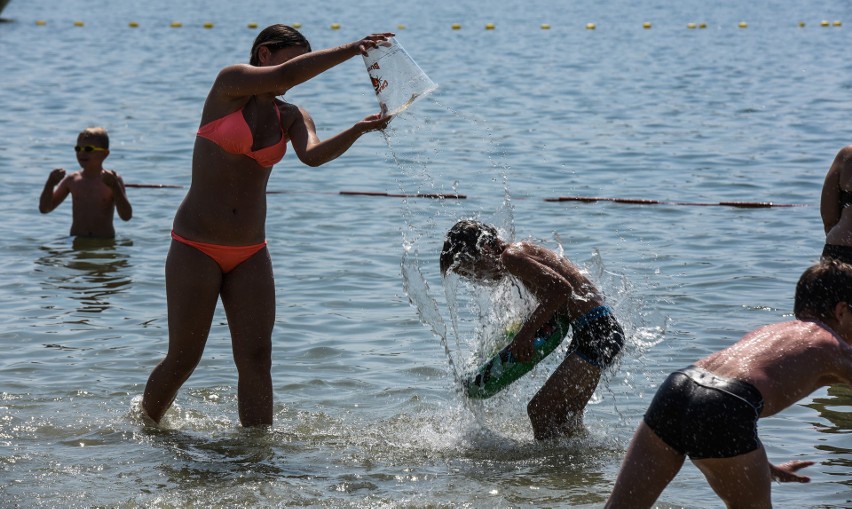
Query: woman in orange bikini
[[219, 239]]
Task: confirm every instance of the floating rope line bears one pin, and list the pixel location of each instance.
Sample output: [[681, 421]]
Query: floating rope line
[[583, 199], [345, 193], [638, 201], [417, 195]]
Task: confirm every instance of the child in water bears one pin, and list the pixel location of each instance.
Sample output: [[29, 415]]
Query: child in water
[[475, 251], [95, 192], [709, 411]]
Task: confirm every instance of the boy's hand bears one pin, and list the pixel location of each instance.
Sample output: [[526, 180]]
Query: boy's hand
[[786, 472], [522, 350], [110, 178], [56, 176]]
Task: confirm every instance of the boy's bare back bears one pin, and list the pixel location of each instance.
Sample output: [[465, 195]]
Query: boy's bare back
[[785, 361]]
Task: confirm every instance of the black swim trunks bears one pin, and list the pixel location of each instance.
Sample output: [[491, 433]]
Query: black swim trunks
[[837, 252], [703, 415], [598, 337]]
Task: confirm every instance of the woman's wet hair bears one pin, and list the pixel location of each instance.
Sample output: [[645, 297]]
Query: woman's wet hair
[[465, 241], [276, 37], [820, 288]]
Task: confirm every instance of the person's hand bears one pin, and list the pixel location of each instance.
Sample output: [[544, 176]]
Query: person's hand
[[110, 178], [56, 176], [376, 122], [372, 41], [522, 351], [786, 472]]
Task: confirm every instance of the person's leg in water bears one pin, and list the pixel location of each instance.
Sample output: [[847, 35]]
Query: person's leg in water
[[248, 295], [740, 481], [557, 408], [648, 467], [193, 280]]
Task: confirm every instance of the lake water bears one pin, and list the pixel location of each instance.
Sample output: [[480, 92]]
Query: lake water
[[369, 344]]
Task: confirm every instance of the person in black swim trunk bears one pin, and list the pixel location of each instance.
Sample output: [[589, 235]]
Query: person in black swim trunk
[[709, 411]]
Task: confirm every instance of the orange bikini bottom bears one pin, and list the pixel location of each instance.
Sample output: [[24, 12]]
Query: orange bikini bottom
[[228, 257]]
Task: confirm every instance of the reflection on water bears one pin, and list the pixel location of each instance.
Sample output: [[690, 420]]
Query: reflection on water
[[835, 409], [88, 270]]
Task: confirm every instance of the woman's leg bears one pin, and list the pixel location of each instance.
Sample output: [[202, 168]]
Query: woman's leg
[[248, 294], [192, 290]]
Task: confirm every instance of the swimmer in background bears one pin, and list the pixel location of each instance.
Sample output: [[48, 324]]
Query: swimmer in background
[[709, 411], [475, 251], [95, 192], [218, 247], [835, 208]]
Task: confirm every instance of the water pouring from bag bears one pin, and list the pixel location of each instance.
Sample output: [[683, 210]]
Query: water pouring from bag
[[396, 77]]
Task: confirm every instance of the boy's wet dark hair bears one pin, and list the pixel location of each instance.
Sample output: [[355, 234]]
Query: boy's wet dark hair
[[465, 240], [820, 288], [276, 37]]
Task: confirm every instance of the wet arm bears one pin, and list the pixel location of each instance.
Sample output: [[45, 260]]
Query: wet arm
[[315, 152], [552, 290], [243, 80], [829, 206]]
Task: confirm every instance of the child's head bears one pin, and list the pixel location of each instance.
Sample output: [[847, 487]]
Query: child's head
[[472, 249], [95, 136], [92, 147], [820, 288]]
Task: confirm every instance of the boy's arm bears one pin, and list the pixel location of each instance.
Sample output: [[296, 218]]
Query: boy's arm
[[315, 152], [122, 204], [552, 290], [51, 198]]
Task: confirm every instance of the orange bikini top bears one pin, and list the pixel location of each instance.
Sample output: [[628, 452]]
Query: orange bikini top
[[233, 134]]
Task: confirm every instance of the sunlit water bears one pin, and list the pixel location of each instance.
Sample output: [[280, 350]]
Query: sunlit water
[[369, 342]]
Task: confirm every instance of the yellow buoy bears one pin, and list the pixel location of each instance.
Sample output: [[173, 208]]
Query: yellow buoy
[[691, 25], [702, 25], [298, 25], [489, 26], [591, 26], [837, 23], [78, 23], [40, 22], [646, 25], [743, 24], [208, 25], [801, 24], [455, 26], [251, 25], [823, 23], [545, 26], [176, 24], [133, 24], [334, 26], [400, 27]]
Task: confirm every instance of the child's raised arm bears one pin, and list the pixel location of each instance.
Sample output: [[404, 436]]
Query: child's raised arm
[[51, 198]]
